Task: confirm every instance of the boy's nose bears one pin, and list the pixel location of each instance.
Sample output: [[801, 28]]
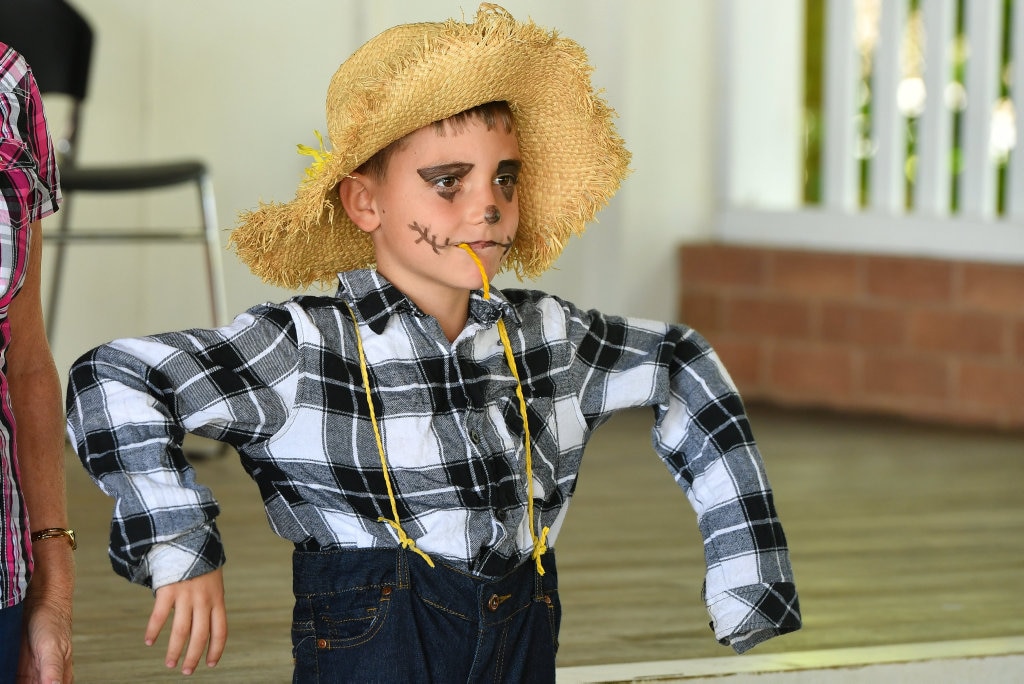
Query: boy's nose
[[491, 215]]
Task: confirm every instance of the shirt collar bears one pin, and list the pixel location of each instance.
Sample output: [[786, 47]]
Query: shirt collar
[[376, 300]]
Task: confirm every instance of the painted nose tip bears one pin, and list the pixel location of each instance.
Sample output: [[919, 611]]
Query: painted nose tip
[[491, 215]]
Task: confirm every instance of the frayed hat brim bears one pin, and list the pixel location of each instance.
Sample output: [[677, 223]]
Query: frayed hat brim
[[415, 74]]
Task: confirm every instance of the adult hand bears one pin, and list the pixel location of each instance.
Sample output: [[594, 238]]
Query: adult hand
[[46, 623]]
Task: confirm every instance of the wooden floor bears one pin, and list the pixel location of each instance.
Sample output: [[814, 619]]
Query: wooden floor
[[899, 534]]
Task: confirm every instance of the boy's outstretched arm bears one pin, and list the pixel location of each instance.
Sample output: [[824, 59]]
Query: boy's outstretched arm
[[200, 620], [130, 404], [702, 435]]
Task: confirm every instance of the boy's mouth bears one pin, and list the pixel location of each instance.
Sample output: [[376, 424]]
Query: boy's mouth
[[487, 244]]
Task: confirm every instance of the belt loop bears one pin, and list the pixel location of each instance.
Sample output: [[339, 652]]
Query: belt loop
[[402, 568], [538, 583]]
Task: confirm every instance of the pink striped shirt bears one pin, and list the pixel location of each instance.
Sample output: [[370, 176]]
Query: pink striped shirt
[[29, 190]]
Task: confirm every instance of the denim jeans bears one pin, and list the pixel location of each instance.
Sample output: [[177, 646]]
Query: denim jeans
[[10, 641], [382, 615]]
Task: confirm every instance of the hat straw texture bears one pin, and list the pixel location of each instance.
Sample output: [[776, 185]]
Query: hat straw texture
[[412, 75]]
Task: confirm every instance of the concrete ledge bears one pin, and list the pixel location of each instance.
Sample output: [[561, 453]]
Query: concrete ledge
[[977, 660]]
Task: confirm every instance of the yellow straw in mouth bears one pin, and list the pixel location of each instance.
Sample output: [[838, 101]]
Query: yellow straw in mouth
[[479, 265]]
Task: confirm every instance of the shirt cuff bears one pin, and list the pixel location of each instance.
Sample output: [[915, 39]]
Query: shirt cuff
[[194, 553], [745, 616]]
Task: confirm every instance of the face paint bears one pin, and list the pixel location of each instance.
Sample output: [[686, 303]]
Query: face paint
[[508, 176], [436, 194], [436, 245], [445, 178], [491, 215], [431, 240]]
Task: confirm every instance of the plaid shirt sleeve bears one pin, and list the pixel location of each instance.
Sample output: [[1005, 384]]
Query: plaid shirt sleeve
[[702, 434], [130, 404]]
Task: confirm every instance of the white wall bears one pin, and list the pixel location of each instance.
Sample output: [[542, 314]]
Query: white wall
[[241, 82], [761, 130]]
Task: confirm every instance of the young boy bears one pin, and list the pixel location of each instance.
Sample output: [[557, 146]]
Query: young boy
[[418, 435]]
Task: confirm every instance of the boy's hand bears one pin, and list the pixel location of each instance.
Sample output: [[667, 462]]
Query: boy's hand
[[200, 619]]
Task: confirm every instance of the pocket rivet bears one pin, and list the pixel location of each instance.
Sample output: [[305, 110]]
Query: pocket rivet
[[321, 643], [385, 591]]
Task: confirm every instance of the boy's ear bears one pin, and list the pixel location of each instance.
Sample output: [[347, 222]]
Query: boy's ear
[[356, 194]]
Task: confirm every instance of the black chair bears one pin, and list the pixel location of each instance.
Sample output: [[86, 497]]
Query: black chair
[[57, 42]]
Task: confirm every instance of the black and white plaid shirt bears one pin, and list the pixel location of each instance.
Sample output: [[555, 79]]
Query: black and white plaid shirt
[[282, 385]]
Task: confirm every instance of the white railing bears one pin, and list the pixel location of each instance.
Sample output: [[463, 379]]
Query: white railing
[[941, 198]]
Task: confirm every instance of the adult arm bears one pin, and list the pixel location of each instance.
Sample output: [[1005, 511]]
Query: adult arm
[[35, 397]]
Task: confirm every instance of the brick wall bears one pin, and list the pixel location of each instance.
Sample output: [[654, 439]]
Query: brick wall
[[928, 339]]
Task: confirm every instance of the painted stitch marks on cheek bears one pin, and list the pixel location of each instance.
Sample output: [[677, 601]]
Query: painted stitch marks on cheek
[[431, 240]]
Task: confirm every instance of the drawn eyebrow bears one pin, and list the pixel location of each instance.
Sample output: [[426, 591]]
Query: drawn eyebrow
[[510, 166], [455, 169]]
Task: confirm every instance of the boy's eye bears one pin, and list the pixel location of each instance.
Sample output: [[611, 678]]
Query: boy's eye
[[445, 178], [506, 180]]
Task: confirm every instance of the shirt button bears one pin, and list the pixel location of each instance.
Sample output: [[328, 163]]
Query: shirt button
[[474, 437], [501, 515]]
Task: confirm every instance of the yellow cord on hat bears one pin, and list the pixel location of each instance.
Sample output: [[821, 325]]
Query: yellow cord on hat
[[405, 540], [539, 542]]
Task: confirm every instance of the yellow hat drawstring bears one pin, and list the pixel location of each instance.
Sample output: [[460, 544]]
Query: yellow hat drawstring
[[539, 541], [405, 540]]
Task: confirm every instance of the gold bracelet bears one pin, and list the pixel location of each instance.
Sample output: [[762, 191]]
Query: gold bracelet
[[53, 533]]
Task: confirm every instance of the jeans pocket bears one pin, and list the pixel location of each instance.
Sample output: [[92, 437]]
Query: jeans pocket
[[342, 619]]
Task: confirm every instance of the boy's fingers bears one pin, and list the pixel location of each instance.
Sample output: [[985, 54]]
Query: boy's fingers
[[199, 621], [199, 636], [180, 628], [218, 635], [157, 619]]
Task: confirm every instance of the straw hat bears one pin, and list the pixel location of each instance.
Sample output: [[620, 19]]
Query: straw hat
[[412, 75]]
